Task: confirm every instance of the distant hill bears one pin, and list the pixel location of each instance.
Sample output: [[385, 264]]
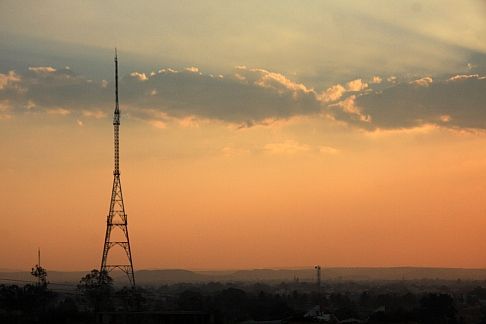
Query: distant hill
[[338, 273], [170, 276], [407, 273]]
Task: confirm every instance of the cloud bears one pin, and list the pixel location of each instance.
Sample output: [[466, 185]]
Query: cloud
[[445, 118], [288, 147], [356, 85], [58, 111], [139, 76], [189, 122], [157, 123], [47, 89], [461, 77], [434, 39], [272, 80], [422, 82], [393, 132], [5, 110], [248, 97], [333, 93], [328, 150], [457, 102], [96, 114], [8, 79], [229, 151], [192, 69], [44, 69], [30, 104], [349, 111], [376, 80]]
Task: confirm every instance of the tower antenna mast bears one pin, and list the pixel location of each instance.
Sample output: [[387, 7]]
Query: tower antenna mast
[[117, 218]]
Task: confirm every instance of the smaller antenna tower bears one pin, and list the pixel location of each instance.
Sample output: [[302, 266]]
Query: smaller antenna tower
[[39, 265], [39, 272], [318, 276]]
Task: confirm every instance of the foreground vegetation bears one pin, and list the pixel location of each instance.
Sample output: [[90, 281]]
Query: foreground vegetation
[[426, 301]]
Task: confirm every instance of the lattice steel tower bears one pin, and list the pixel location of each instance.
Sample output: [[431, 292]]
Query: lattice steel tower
[[117, 218]]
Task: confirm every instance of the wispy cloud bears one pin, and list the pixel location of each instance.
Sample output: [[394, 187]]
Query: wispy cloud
[[58, 111], [42, 69], [288, 147], [97, 114]]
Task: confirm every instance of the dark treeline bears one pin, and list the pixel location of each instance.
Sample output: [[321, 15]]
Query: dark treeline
[[96, 299]]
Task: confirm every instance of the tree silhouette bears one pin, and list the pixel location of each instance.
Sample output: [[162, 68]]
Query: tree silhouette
[[41, 274], [97, 289], [437, 308], [132, 299]]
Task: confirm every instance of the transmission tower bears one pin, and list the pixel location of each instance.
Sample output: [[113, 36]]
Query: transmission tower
[[117, 218]]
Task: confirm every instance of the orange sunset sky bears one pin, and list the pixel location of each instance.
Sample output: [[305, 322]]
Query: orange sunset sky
[[253, 134]]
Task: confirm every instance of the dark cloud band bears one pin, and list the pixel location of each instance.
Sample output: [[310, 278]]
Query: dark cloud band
[[250, 96]]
